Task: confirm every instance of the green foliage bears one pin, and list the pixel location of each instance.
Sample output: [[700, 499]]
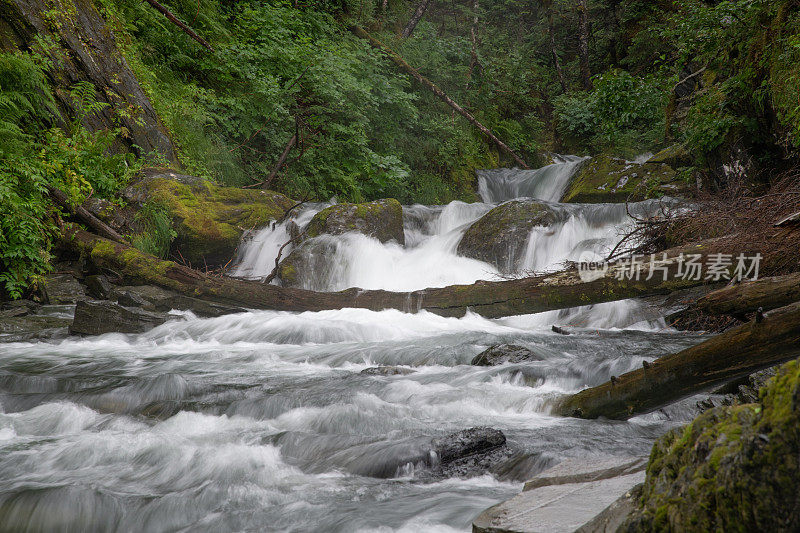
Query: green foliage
[[623, 114], [157, 230]]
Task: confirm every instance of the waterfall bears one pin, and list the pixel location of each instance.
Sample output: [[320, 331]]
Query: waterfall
[[547, 183]]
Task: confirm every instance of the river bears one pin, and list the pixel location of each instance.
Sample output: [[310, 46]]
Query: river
[[263, 420]]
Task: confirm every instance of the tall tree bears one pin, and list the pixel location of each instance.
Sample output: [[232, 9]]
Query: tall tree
[[415, 18], [583, 43], [473, 34], [548, 6]]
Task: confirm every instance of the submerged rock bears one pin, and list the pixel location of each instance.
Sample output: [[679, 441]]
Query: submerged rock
[[613, 180], [467, 442], [382, 219], [208, 219], [504, 353], [387, 371], [732, 468], [500, 236], [96, 318]]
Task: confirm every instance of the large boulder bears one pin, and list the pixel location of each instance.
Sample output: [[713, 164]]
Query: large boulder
[[209, 219], [306, 264], [606, 179], [500, 236], [62, 289], [96, 318], [732, 468], [382, 219]]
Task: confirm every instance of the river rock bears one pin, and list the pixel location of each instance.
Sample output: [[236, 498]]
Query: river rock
[[98, 317], [467, 442], [732, 468], [62, 289], [606, 179], [209, 219], [382, 219], [500, 236], [98, 286], [570, 496], [32, 327], [387, 371], [504, 353]]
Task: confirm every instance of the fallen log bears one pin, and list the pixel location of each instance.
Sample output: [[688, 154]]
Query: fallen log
[[186, 29], [491, 299], [733, 354], [440, 94], [747, 297], [61, 198]]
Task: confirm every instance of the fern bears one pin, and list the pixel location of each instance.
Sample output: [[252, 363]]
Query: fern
[[26, 102]]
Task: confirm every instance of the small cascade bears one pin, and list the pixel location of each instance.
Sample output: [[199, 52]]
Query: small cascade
[[547, 183]]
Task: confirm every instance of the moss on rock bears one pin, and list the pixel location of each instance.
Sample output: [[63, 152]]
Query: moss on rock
[[733, 468], [501, 235], [208, 218], [609, 179], [382, 219]]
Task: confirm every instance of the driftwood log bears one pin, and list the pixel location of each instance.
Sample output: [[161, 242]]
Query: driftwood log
[[491, 299], [747, 297], [769, 340]]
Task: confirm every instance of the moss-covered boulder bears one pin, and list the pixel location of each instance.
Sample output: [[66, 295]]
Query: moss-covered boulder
[[500, 236], [382, 219], [209, 219], [676, 156], [606, 179], [733, 468]]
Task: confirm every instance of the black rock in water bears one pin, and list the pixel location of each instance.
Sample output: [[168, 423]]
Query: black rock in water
[[468, 442], [504, 353], [96, 318]]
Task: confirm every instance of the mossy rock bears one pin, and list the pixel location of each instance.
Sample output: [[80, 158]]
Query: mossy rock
[[733, 468], [209, 219], [676, 156], [606, 179], [382, 219], [500, 236]]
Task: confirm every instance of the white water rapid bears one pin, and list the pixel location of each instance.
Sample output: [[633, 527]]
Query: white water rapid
[[263, 421]]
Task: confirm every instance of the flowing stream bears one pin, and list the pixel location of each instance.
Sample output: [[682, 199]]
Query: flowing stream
[[263, 420]]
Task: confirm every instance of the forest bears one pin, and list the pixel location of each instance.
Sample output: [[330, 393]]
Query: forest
[[401, 194]]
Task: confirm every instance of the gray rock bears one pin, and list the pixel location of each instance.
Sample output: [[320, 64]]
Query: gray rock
[[17, 308], [613, 516], [500, 236], [382, 219], [32, 327], [468, 442], [98, 286], [387, 371], [98, 317], [62, 289], [574, 494], [504, 353]]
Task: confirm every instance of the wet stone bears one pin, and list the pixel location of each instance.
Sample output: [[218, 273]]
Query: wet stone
[[504, 353]]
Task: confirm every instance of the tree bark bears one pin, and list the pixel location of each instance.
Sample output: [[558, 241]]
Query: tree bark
[[401, 63], [730, 355], [415, 18], [186, 29], [491, 299], [281, 161], [583, 44], [82, 213], [747, 297], [473, 34], [556, 60]]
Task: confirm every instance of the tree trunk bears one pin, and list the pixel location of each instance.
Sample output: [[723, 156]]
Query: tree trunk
[[491, 299], [401, 63], [583, 44], [473, 34], [747, 297], [281, 161], [556, 60], [730, 355], [415, 18], [186, 29], [82, 213]]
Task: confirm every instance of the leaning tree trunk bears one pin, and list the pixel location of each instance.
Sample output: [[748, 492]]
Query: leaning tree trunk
[[415, 18], [491, 299], [764, 342], [186, 29], [583, 44], [401, 63]]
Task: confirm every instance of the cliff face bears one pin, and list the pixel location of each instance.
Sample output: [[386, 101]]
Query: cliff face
[[732, 469], [80, 46]]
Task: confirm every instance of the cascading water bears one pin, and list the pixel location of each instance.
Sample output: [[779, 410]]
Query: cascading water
[[263, 420]]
